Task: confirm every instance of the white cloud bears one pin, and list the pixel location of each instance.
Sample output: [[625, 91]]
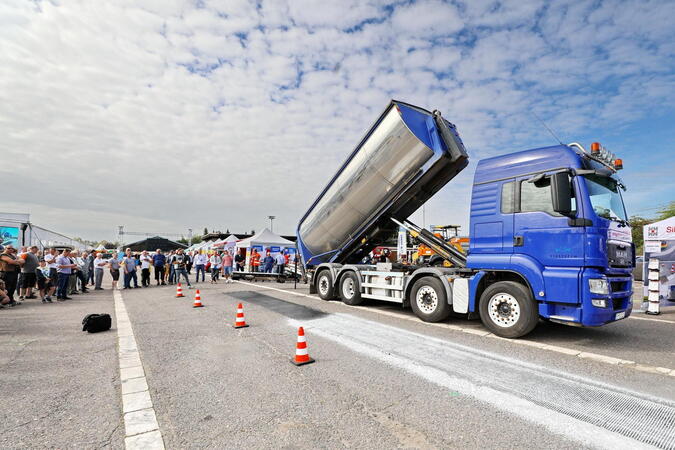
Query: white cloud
[[221, 114]]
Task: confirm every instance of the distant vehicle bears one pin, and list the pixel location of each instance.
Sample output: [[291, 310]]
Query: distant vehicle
[[549, 236]]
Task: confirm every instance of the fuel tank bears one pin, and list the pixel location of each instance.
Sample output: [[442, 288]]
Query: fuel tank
[[405, 157]]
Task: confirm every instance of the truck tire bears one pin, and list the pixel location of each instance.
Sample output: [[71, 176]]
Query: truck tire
[[324, 285], [508, 309], [349, 289], [428, 300]]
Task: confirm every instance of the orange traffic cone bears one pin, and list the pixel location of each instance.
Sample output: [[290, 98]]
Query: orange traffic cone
[[239, 321], [198, 300], [301, 353], [179, 291]]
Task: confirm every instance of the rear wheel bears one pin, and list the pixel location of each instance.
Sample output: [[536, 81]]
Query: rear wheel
[[508, 309], [429, 301], [349, 289], [324, 285]]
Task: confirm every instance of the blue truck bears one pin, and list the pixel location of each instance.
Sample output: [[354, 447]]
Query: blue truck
[[549, 237]]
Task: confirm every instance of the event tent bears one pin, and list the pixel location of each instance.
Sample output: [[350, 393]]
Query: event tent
[[154, 243], [266, 239], [263, 240]]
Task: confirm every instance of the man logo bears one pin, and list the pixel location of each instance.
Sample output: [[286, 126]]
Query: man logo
[[652, 231]]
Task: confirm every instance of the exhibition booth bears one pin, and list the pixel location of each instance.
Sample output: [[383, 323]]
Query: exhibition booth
[[659, 244]]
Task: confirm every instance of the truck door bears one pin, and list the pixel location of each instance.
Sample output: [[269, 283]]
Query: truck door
[[545, 238]]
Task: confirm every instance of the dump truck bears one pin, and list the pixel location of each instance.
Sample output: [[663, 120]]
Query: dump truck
[[549, 237]]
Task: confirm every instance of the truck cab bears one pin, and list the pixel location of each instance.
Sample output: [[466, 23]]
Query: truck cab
[[553, 220]]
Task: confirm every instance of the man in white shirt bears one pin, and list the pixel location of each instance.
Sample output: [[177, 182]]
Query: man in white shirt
[[280, 260], [146, 260], [216, 262], [99, 264], [199, 261]]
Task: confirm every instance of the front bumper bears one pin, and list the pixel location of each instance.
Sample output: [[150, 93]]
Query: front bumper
[[618, 299]]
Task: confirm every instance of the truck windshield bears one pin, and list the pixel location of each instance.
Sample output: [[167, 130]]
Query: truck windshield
[[605, 197]]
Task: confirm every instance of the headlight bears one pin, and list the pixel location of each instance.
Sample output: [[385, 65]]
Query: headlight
[[598, 286], [599, 302]]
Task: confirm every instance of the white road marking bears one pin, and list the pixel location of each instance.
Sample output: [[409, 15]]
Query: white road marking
[[672, 322], [140, 420], [581, 409], [484, 333]]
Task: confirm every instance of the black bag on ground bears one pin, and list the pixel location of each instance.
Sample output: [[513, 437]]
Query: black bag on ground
[[94, 323]]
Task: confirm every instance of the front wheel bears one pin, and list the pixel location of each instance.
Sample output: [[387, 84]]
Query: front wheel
[[324, 285], [349, 289], [429, 301], [508, 309]]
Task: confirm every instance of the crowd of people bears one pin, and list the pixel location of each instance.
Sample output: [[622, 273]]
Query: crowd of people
[[27, 273]]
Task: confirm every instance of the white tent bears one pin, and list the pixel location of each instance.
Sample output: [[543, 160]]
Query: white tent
[[660, 245], [263, 241], [265, 238]]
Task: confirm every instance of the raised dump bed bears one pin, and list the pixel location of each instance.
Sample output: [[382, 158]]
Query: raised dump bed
[[403, 160]]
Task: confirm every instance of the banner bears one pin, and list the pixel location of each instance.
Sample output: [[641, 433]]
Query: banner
[[9, 236]]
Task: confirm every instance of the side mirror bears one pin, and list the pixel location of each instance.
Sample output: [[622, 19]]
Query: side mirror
[[561, 193]]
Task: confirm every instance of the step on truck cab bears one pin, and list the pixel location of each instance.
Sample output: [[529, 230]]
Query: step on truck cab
[[548, 231]]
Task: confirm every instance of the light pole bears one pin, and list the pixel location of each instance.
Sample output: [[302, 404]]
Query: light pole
[[272, 222]]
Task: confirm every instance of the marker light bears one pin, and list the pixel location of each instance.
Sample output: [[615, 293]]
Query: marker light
[[595, 147], [618, 164]]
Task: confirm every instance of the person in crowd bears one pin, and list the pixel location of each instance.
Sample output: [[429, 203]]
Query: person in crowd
[[158, 262], [91, 274], [50, 259], [114, 264], [4, 298], [28, 277], [81, 274], [19, 281], [287, 258], [188, 262], [255, 260], [44, 283], [65, 267], [146, 262], [227, 266], [216, 263], [10, 267], [179, 262], [99, 266], [281, 262], [172, 272], [239, 260], [268, 262], [200, 262], [72, 279], [129, 266]]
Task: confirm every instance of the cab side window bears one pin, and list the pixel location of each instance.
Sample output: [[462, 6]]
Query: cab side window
[[536, 196]]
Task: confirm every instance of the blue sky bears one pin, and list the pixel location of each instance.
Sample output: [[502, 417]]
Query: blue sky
[[163, 115]]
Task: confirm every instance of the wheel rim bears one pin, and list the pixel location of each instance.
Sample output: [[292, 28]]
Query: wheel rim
[[504, 310], [427, 299], [323, 285], [348, 288]]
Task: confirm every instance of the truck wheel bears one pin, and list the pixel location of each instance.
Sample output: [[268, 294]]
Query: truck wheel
[[508, 309], [349, 289], [324, 285], [429, 301]]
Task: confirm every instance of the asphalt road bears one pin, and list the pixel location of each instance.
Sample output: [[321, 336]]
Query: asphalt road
[[382, 379]]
